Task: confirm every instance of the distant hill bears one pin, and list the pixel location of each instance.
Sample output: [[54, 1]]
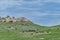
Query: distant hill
[[22, 23], [12, 19], [22, 20], [24, 29]]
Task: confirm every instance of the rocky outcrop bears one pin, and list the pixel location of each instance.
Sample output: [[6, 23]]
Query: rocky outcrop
[[13, 19]]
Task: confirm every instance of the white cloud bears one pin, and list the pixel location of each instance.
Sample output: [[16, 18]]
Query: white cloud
[[8, 3], [57, 1], [44, 14]]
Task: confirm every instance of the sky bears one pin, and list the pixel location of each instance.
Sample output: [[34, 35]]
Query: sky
[[42, 12]]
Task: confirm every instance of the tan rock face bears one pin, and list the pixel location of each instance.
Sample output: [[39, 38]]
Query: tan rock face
[[23, 19], [9, 19]]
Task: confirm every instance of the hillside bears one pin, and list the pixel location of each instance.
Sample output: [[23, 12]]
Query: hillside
[[12, 28], [7, 23]]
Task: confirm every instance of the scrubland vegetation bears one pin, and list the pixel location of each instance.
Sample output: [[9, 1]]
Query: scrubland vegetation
[[26, 30]]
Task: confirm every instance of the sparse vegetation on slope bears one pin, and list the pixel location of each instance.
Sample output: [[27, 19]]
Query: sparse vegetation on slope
[[24, 29]]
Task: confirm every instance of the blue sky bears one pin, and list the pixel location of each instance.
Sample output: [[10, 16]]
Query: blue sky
[[42, 12]]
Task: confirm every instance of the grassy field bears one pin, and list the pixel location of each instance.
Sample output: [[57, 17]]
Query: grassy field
[[16, 32]]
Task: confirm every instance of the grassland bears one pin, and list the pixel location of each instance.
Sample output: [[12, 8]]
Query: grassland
[[16, 32]]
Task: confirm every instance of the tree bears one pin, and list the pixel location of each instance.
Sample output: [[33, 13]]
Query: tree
[[8, 16], [13, 17], [0, 16]]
